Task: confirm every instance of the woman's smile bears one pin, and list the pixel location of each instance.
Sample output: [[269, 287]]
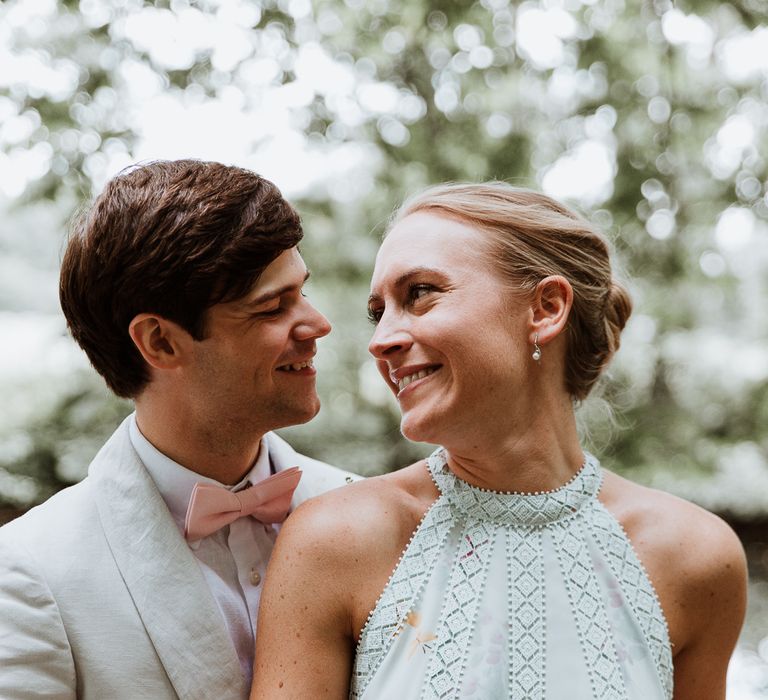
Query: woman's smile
[[405, 376]]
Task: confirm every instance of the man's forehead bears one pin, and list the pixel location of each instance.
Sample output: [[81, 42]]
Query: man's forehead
[[286, 266], [288, 271]]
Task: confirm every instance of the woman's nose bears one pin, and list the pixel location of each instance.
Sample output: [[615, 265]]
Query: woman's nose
[[389, 338]]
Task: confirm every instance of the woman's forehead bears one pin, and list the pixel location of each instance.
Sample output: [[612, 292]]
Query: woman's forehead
[[426, 239]]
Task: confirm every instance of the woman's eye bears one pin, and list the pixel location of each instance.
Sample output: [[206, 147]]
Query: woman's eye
[[414, 293], [417, 291], [374, 315]]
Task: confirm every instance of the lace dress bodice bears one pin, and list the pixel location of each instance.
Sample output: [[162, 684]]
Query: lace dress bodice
[[521, 596]]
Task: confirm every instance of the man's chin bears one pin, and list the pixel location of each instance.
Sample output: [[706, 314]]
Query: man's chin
[[309, 415], [297, 415]]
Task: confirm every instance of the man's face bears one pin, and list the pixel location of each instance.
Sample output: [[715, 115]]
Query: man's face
[[253, 371]]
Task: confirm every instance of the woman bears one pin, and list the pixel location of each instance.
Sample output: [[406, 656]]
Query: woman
[[508, 565]]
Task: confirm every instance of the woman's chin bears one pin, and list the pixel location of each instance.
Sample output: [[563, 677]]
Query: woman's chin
[[417, 430]]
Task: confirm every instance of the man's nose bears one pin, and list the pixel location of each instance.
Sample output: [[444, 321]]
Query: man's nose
[[313, 324]]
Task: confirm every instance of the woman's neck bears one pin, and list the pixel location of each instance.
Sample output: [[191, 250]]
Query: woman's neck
[[540, 453]]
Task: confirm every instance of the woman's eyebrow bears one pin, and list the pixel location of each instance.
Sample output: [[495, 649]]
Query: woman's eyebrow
[[406, 277]]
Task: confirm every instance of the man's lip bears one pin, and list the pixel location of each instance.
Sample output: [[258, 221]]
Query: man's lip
[[296, 362], [401, 372]]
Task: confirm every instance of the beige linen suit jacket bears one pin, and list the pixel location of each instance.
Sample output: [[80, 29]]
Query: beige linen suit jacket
[[101, 598]]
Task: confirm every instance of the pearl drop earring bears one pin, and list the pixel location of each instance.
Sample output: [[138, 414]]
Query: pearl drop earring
[[536, 349]]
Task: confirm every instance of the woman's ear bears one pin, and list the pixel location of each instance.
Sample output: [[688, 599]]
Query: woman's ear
[[551, 307], [161, 342]]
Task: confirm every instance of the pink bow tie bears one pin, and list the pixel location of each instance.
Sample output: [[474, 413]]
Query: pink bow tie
[[212, 507]]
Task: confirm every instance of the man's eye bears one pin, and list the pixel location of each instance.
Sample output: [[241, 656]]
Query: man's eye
[[269, 312]]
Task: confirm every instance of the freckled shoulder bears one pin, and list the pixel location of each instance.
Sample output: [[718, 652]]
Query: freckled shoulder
[[350, 539], [372, 511], [693, 558]]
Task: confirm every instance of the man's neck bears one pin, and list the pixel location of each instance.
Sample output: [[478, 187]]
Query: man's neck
[[203, 449]]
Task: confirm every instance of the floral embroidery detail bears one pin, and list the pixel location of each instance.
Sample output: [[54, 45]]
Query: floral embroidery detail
[[489, 648], [422, 639], [472, 547]]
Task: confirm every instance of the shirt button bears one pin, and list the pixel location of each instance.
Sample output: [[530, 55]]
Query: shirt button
[[255, 577]]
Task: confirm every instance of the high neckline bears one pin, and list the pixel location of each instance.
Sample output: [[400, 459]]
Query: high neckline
[[512, 508]]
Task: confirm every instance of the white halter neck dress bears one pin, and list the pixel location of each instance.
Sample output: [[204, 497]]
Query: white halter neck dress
[[520, 596]]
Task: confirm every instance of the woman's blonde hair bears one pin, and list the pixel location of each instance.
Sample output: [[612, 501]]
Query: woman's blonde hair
[[532, 236]]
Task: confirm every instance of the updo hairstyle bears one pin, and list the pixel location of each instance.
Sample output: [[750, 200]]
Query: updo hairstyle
[[532, 236]]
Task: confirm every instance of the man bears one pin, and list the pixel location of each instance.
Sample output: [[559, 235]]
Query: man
[[183, 284]]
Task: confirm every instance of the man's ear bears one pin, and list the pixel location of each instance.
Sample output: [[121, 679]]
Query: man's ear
[[162, 343], [551, 307]]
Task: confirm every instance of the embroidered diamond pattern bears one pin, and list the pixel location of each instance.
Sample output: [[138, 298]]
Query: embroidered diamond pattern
[[522, 509], [526, 614], [459, 611], [527, 584], [528, 647], [589, 612], [630, 574], [528, 683]]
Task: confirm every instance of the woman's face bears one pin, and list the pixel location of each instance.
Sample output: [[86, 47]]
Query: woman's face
[[451, 339]]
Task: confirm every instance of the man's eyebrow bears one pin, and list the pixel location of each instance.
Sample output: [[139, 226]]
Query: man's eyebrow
[[274, 293], [406, 277]]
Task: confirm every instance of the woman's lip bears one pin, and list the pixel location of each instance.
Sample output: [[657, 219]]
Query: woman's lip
[[416, 382], [401, 372]]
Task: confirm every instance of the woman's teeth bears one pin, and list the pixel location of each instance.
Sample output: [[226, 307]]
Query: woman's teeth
[[405, 381]]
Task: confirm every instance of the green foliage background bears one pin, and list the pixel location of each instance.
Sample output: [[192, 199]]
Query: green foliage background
[[690, 386]]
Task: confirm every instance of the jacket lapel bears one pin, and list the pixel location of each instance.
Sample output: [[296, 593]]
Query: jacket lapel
[[165, 582]]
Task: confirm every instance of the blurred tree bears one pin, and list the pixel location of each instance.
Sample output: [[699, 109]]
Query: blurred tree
[[650, 117]]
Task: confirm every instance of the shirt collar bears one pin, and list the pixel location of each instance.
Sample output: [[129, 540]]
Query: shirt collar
[[175, 482]]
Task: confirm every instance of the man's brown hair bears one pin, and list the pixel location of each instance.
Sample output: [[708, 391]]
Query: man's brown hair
[[171, 238]]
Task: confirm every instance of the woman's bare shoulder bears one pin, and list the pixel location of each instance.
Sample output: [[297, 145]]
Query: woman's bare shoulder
[[693, 557], [668, 524], [378, 510]]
